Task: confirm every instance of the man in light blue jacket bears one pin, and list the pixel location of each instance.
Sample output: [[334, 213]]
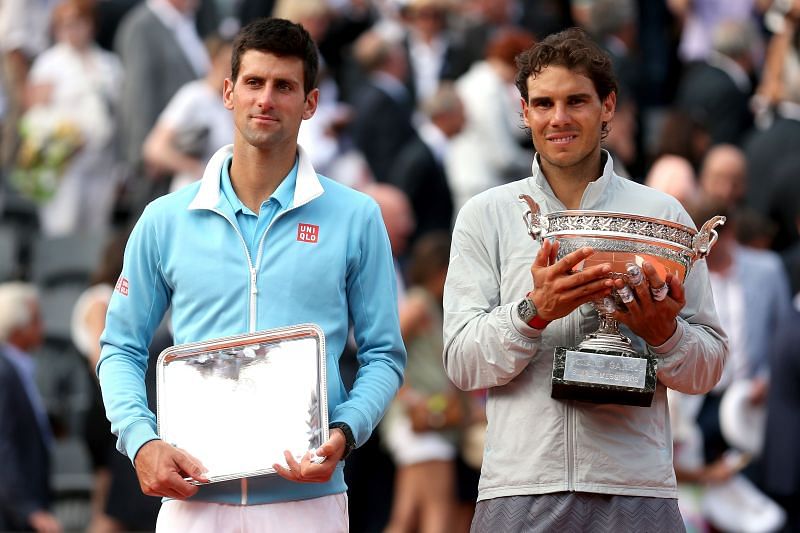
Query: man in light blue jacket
[[262, 241]]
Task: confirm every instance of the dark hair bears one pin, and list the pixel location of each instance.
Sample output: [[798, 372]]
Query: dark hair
[[429, 256], [282, 38], [685, 135], [574, 50]]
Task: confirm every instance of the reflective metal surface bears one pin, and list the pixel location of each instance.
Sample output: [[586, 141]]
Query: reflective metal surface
[[621, 238], [605, 367], [237, 403]]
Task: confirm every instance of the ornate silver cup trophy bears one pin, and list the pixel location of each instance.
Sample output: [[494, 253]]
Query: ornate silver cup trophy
[[604, 367]]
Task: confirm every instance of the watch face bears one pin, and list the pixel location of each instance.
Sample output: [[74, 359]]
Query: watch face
[[526, 311]]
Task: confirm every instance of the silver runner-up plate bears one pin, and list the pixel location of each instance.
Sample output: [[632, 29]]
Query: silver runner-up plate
[[237, 403]]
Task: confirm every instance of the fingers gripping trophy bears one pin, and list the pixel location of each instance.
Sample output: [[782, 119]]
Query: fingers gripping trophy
[[604, 367]]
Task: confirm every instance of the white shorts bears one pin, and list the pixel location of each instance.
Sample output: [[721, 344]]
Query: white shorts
[[327, 514]]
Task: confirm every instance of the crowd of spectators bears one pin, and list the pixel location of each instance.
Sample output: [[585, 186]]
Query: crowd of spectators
[[108, 104]]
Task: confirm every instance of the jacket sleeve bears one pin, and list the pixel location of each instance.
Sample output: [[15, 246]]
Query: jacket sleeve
[[691, 361], [483, 346], [134, 313], [372, 303]]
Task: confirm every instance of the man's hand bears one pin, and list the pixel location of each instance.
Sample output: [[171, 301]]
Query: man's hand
[[161, 470], [557, 289], [44, 522], [652, 320], [308, 472]]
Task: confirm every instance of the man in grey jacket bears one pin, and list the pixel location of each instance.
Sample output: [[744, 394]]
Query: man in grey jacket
[[569, 465]]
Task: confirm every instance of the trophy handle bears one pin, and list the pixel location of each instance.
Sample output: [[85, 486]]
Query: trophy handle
[[533, 218], [706, 237]]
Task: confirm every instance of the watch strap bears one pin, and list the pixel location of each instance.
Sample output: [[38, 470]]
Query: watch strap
[[538, 322], [350, 440]]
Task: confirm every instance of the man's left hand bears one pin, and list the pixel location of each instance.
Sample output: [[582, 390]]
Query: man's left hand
[[307, 471], [651, 319]]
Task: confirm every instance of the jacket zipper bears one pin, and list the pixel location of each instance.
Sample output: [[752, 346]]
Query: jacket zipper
[[264, 236], [570, 445], [570, 420], [251, 268], [252, 317], [253, 292]]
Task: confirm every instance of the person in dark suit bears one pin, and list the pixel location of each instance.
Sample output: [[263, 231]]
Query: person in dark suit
[[435, 52], [784, 204], [717, 91], [780, 458], [419, 168], [766, 152], [160, 51], [382, 123], [24, 429]]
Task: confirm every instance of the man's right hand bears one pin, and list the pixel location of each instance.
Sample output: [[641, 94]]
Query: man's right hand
[[161, 470], [557, 289]]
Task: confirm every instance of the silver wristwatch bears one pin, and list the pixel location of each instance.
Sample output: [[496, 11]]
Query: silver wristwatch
[[526, 310]]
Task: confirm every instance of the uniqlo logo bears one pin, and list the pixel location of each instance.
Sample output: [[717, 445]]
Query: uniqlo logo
[[308, 233], [122, 286]]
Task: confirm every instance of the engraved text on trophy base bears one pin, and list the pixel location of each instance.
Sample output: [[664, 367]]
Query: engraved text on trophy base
[[605, 369]]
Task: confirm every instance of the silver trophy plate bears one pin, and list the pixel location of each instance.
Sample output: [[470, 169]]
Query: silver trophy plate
[[237, 403]]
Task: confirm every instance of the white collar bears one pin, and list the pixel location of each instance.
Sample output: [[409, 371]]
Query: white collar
[[208, 195], [594, 189]]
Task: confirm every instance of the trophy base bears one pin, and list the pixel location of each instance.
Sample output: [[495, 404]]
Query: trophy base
[[603, 376]]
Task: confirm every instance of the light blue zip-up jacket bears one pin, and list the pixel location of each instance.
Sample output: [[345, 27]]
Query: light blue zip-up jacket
[[187, 252]]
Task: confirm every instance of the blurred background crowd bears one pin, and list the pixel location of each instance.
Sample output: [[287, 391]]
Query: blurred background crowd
[[108, 104]]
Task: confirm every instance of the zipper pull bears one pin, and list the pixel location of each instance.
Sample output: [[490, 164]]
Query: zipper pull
[[253, 288]]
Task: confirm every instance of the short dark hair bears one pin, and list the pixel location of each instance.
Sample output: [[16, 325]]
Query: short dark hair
[[282, 38], [430, 255], [574, 50]]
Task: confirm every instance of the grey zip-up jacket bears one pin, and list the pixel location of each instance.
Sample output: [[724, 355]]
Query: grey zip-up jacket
[[535, 444]]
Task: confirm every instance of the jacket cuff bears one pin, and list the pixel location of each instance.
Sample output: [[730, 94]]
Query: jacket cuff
[[671, 343], [522, 328], [135, 436], [356, 420]]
